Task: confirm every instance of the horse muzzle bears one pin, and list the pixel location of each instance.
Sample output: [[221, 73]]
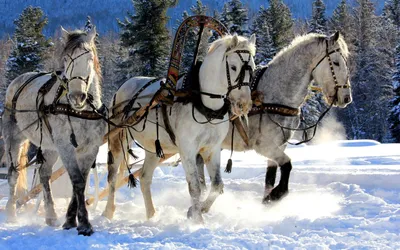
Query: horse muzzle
[[77, 100]]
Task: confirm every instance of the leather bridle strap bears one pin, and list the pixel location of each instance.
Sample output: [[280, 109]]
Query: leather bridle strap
[[327, 55], [242, 73], [66, 80]]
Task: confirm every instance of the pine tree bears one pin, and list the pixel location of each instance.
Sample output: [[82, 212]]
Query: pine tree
[[371, 88], [265, 45], [30, 43], [146, 35], [394, 118], [392, 11], [280, 23], [199, 8], [191, 37], [318, 20], [234, 17], [341, 20]]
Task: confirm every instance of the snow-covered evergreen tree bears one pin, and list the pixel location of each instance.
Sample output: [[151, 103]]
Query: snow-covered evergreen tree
[[371, 88], [199, 8], [234, 17], [280, 23], [392, 11], [191, 38], [318, 20], [30, 45], [394, 118], [265, 45], [341, 20], [146, 35]]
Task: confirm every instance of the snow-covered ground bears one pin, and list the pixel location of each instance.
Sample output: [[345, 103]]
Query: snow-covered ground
[[344, 194]]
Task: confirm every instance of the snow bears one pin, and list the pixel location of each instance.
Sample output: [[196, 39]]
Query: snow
[[343, 195]]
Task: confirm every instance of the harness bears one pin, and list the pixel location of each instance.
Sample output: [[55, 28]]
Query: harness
[[260, 108]]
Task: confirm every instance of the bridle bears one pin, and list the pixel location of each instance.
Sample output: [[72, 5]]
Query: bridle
[[65, 81], [242, 73], [239, 80], [328, 55]]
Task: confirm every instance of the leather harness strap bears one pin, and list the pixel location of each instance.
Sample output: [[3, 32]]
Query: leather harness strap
[[65, 109], [19, 91], [274, 109], [167, 124]]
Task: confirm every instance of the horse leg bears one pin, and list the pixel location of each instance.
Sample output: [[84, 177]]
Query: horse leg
[[70, 221], [12, 141], [189, 164], [86, 162], [276, 154], [217, 186], [150, 163], [115, 147], [282, 189], [200, 169], [45, 172], [269, 179], [78, 176]]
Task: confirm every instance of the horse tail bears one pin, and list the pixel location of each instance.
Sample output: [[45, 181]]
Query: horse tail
[[22, 162]]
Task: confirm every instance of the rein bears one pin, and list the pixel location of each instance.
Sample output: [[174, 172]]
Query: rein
[[268, 108]]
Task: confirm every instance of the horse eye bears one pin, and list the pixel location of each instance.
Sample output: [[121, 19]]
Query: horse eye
[[233, 68], [336, 64]]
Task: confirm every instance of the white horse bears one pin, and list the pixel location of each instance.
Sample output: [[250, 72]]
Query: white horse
[[197, 132], [26, 120], [285, 83]]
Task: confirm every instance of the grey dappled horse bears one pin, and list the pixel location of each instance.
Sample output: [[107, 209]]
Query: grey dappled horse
[[81, 77], [286, 82]]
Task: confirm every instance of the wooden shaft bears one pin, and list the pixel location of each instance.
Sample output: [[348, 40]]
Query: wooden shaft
[[38, 188], [121, 182]]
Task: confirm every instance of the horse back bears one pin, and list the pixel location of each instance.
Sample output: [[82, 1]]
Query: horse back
[[26, 93]]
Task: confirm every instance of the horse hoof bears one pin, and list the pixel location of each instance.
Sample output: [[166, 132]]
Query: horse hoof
[[108, 215], [190, 213], [69, 224], [52, 222], [275, 195], [85, 230], [195, 217], [11, 219]]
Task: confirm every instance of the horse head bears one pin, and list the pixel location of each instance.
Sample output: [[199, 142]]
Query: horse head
[[230, 61], [81, 65], [332, 72]]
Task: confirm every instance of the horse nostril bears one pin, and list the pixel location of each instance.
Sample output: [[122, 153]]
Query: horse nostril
[[83, 97], [347, 99]]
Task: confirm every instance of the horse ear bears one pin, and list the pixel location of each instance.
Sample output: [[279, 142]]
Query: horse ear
[[64, 34], [253, 39], [235, 41], [91, 34], [335, 37]]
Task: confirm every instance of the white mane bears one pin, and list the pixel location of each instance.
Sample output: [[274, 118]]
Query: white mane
[[226, 41], [309, 41]]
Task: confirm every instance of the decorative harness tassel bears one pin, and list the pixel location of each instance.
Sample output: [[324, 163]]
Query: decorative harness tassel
[[132, 182], [228, 168], [130, 151], [159, 150]]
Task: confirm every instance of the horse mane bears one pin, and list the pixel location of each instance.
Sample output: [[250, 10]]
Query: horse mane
[[226, 41], [77, 39], [308, 41]]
